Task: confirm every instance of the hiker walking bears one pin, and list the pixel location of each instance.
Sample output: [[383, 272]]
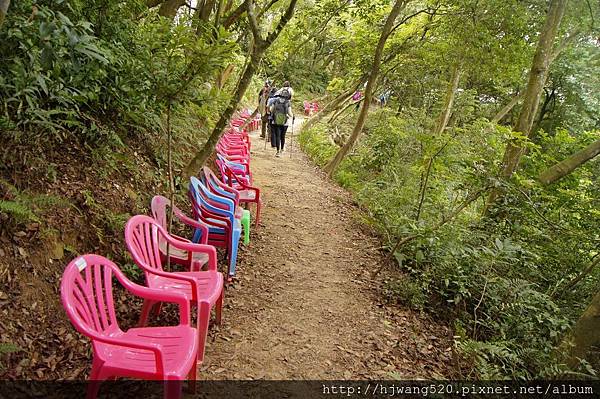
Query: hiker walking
[[270, 101], [287, 90], [384, 98], [281, 111], [263, 96], [356, 97]]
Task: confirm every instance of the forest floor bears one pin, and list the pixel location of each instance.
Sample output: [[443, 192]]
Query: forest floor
[[304, 304]]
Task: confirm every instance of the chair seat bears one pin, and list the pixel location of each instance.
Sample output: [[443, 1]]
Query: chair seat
[[210, 284], [179, 347], [182, 255], [237, 226], [246, 195]]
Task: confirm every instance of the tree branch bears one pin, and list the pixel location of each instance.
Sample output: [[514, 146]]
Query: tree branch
[[289, 12], [445, 219], [3, 9], [577, 279], [235, 15], [506, 109], [569, 164], [258, 40], [266, 8]]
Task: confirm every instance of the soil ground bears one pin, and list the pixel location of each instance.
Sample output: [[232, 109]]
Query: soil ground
[[304, 304]]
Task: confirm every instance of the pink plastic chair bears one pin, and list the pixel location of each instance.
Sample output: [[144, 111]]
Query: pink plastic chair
[[244, 194], [159, 207], [203, 289], [159, 353], [307, 108]]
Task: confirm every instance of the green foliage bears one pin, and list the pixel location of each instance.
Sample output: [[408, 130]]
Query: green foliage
[[18, 211], [406, 292], [316, 144], [133, 272], [24, 206], [498, 276], [7, 348], [100, 72]]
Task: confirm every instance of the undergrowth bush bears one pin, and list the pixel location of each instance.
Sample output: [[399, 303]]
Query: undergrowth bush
[[502, 277]]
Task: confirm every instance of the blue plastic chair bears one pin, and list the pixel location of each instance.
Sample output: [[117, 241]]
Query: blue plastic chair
[[220, 189], [224, 222]]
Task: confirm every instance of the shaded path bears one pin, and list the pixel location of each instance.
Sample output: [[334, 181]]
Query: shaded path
[[303, 305]]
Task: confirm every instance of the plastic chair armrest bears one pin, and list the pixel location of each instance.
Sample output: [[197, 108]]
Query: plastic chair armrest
[[199, 248], [190, 222], [149, 346]]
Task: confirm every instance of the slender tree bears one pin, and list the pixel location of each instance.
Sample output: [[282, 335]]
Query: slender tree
[[259, 46], [531, 99], [371, 82], [585, 334], [3, 9]]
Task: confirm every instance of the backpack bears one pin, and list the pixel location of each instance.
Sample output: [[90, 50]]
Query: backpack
[[280, 108], [285, 93]]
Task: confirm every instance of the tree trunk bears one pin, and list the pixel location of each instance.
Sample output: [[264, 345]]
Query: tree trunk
[[584, 335], [531, 100], [3, 9], [153, 3], [343, 108], [439, 129], [566, 166], [224, 76], [449, 101], [371, 82], [218, 13], [206, 10], [258, 49], [198, 161]]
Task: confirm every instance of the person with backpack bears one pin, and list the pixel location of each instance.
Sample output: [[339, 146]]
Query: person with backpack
[[281, 111], [270, 101], [286, 91], [263, 96]]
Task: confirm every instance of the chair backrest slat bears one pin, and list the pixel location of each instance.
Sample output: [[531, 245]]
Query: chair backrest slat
[[146, 240], [87, 295]]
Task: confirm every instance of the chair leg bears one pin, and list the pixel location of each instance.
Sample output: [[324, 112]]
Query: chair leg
[[203, 319], [157, 309], [257, 213], [233, 254], [246, 226], [173, 389], [146, 308], [192, 379], [95, 380], [219, 309]]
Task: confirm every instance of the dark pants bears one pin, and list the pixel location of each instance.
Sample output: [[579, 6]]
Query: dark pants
[[272, 133], [279, 136], [282, 138], [263, 129]]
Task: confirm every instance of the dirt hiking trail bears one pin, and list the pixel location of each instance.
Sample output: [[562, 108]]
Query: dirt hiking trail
[[303, 305]]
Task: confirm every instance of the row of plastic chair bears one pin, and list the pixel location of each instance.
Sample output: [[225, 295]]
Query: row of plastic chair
[[166, 353], [310, 107], [253, 122]]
